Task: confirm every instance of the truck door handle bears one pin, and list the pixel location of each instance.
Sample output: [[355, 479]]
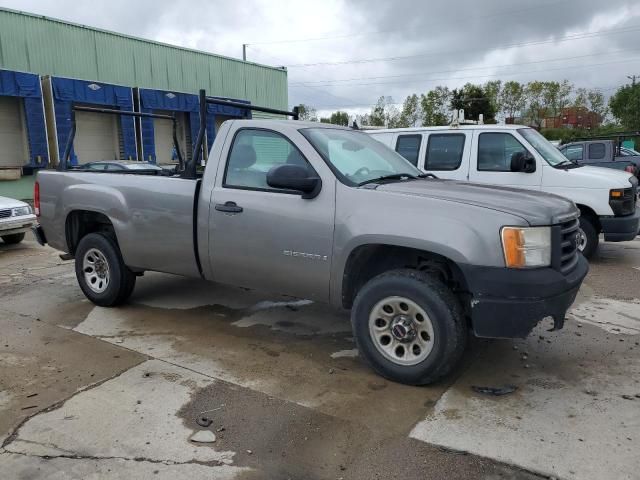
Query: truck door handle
[[229, 207]]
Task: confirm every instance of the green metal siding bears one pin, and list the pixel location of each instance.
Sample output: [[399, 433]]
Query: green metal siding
[[46, 46]]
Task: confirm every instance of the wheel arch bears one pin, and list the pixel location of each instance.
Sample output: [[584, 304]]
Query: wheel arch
[[368, 260], [80, 223]]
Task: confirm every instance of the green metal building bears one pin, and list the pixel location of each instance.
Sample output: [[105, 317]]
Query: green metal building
[[53, 48]]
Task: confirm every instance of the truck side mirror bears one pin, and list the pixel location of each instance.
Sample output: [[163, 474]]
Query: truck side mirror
[[295, 177], [523, 162]]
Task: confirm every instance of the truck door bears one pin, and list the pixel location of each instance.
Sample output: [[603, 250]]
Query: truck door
[[446, 154], [266, 238], [491, 160]]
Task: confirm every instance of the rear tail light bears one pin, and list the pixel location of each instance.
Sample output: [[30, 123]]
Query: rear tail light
[[36, 198], [630, 169]]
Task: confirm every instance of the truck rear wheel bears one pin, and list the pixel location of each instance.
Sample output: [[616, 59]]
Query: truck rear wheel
[[13, 239], [589, 239], [409, 327], [101, 272]]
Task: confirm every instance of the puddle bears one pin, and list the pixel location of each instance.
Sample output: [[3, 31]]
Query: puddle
[[613, 316], [345, 353]]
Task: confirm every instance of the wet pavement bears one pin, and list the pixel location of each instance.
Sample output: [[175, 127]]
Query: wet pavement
[[115, 393]]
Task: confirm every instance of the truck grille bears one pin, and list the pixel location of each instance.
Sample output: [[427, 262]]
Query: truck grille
[[566, 257], [5, 213]]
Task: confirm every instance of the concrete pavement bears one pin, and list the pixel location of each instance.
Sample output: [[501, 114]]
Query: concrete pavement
[[286, 393]]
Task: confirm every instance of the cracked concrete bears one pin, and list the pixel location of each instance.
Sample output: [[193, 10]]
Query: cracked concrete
[[287, 393]]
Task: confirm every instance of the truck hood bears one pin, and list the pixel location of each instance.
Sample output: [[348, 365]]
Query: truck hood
[[536, 208], [585, 177]]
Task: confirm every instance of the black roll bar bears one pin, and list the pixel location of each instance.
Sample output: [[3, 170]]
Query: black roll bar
[[199, 149], [64, 164]]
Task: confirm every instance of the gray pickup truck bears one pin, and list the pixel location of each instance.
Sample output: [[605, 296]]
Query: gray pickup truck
[[602, 153], [327, 213]]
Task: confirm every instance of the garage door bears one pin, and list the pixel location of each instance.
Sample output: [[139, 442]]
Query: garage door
[[163, 134], [13, 138], [96, 137]]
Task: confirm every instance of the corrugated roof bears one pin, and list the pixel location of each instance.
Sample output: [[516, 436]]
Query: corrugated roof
[[48, 46]]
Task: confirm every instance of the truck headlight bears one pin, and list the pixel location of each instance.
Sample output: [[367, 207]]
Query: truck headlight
[[526, 246], [21, 211]]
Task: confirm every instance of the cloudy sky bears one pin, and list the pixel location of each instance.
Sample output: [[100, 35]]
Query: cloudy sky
[[345, 54]]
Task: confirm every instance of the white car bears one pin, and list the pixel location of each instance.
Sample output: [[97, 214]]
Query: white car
[[16, 218], [518, 156]]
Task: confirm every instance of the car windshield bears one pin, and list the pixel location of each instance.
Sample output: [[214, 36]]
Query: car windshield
[[551, 154], [356, 157], [629, 152]]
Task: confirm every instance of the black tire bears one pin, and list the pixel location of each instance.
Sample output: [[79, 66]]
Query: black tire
[[13, 239], [591, 237], [444, 311], [121, 280]]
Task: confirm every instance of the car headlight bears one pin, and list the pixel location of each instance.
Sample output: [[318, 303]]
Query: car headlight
[[20, 211], [526, 246]]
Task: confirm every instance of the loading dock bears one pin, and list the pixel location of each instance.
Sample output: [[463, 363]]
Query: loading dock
[[157, 134], [22, 126], [98, 137]]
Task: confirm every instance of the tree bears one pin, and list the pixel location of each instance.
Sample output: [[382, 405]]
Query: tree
[[435, 106], [581, 100], [534, 94], [512, 98], [555, 97], [339, 118], [307, 113], [410, 114], [597, 103], [492, 90], [474, 101], [384, 113], [625, 106]]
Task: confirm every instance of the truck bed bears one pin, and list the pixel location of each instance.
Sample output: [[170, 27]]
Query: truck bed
[[152, 215]]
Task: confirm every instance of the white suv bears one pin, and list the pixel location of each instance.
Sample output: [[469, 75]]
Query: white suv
[[16, 218], [518, 156]]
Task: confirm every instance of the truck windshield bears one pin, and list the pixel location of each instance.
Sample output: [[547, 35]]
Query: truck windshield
[[551, 154], [355, 157]]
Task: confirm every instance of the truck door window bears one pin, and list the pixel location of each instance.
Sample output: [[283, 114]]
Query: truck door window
[[495, 151], [444, 151], [408, 146], [596, 151], [573, 152], [253, 153]]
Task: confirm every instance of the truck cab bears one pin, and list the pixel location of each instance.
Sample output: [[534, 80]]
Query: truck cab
[[518, 156]]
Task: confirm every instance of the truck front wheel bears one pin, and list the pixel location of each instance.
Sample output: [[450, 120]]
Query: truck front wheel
[[409, 326], [101, 272], [588, 243]]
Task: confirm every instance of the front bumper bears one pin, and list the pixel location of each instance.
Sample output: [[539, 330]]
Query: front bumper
[[14, 225], [620, 229], [509, 303]]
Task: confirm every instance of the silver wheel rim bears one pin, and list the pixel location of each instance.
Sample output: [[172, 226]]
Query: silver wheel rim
[[401, 330], [96, 270], [582, 240]]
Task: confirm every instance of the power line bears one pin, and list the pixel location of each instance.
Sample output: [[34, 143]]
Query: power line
[[377, 32], [578, 36], [329, 82], [430, 80]]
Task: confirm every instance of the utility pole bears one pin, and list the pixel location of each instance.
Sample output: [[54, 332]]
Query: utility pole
[[244, 52], [633, 79]]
